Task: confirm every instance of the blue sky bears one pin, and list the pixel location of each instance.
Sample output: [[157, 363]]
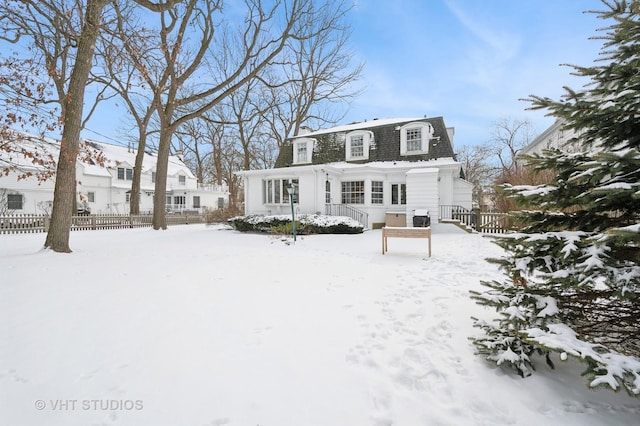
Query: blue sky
[[469, 61]]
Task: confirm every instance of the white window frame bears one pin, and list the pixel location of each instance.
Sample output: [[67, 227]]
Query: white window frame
[[367, 141], [397, 191], [377, 192], [180, 200], [352, 192], [91, 197], [127, 173], [426, 134], [299, 145], [182, 180], [275, 192]]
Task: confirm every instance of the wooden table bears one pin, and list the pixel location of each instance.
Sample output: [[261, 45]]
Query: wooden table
[[403, 232]]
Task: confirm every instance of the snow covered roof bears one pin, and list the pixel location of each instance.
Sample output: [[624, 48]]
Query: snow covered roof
[[346, 166], [359, 125], [114, 155], [396, 164], [117, 154]]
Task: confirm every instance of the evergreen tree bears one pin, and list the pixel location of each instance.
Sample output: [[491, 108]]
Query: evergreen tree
[[572, 274]]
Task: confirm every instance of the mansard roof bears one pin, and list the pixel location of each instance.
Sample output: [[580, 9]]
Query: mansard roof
[[330, 143]]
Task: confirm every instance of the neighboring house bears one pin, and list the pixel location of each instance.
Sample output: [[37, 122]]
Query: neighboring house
[[553, 137], [102, 188], [371, 171]]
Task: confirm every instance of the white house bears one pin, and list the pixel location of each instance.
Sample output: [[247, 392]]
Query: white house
[[373, 171], [555, 136], [101, 188]]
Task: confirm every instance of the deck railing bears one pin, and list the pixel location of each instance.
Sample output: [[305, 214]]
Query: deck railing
[[485, 222], [31, 223]]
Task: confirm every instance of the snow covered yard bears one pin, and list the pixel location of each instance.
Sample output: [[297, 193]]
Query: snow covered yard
[[204, 326]]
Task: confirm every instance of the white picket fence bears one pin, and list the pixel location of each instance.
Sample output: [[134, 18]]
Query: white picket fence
[[29, 223], [485, 222]]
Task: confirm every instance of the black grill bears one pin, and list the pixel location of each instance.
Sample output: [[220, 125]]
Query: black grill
[[421, 221]]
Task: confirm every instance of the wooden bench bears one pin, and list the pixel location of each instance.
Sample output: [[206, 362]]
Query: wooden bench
[[401, 232]]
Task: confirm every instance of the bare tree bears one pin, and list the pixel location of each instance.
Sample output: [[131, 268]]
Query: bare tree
[[186, 38], [64, 34], [478, 168], [121, 75], [193, 142], [316, 80], [246, 111], [509, 136]]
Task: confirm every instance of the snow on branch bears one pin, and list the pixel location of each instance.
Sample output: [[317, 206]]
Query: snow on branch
[[613, 369]]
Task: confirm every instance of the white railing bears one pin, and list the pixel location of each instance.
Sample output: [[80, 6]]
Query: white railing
[[488, 223], [213, 187], [349, 211]]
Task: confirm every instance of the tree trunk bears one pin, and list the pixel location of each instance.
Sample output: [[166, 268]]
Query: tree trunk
[[159, 200], [65, 187], [134, 202]]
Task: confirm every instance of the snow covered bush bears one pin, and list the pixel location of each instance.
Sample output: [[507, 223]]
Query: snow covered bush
[[305, 224], [572, 281]]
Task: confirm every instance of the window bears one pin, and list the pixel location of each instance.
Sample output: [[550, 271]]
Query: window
[[125, 173], [274, 191], [398, 193], [91, 197], [14, 201], [327, 192], [220, 202], [377, 194], [182, 180], [196, 201], [180, 201], [357, 144], [302, 153], [153, 177], [414, 140], [127, 197], [415, 137], [302, 150], [353, 192]]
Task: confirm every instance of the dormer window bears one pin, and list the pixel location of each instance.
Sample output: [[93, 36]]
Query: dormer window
[[302, 150], [415, 137], [125, 173], [357, 145]]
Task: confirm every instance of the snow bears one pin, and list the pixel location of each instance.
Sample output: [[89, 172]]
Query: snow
[[202, 325], [561, 336], [360, 125]]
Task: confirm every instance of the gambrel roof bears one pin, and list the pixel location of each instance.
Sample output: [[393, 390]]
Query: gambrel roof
[[330, 144]]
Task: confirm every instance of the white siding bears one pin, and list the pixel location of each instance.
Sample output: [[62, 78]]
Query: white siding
[[422, 192], [462, 192]]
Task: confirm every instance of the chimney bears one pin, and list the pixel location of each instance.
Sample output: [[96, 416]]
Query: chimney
[[179, 155], [304, 130], [450, 133]]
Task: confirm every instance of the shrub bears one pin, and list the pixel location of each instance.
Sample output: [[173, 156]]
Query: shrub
[[306, 224]]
